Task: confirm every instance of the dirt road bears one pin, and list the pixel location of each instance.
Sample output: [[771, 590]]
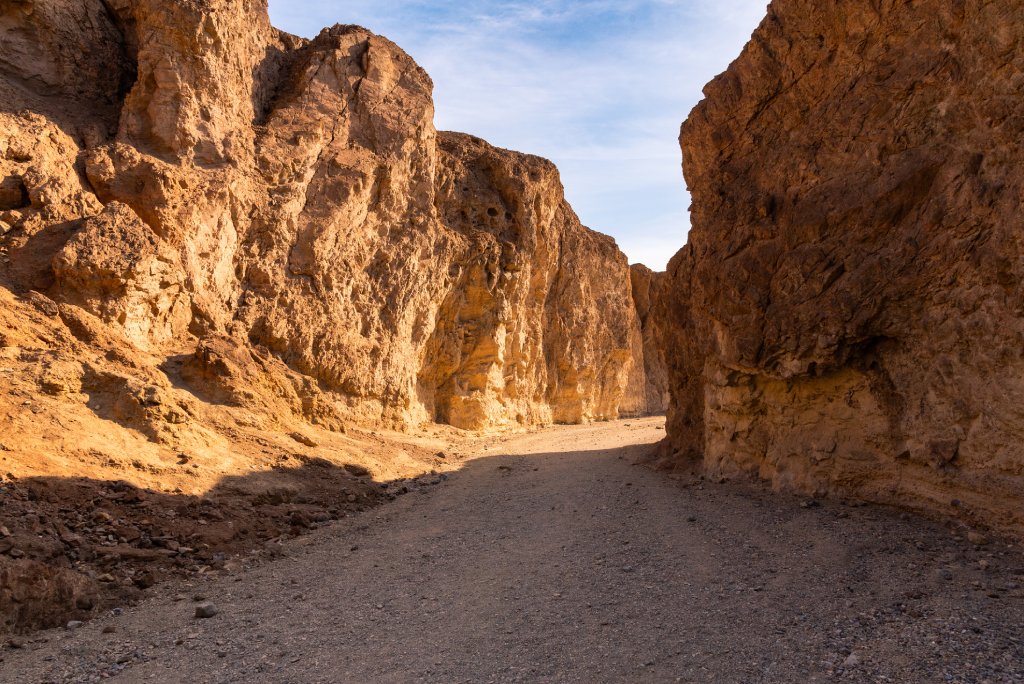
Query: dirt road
[[551, 558]]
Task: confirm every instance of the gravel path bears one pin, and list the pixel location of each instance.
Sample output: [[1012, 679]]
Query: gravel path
[[551, 558]]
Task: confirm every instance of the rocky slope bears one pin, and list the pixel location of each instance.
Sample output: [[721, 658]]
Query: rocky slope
[[848, 315], [225, 249]]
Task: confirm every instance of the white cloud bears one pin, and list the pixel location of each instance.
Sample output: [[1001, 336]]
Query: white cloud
[[598, 86]]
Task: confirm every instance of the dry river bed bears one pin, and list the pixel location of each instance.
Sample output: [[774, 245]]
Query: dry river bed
[[550, 557]]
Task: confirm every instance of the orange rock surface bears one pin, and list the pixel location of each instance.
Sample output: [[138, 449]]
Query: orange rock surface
[[848, 315]]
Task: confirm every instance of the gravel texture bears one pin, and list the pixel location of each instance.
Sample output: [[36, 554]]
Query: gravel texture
[[551, 557]]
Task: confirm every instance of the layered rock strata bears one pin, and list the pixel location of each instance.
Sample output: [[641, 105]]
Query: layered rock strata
[[195, 180], [848, 315]]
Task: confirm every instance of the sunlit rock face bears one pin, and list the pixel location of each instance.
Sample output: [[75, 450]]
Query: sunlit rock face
[[848, 314], [196, 180], [649, 386], [538, 324]]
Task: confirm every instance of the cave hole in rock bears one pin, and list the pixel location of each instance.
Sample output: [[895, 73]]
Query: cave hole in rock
[[13, 194]]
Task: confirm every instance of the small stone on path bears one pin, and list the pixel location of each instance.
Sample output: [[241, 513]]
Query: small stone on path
[[205, 610]]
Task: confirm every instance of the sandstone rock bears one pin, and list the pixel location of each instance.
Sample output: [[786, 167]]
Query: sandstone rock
[[304, 439], [344, 265], [537, 325], [848, 313], [62, 378], [154, 409], [117, 269], [40, 158], [229, 371], [43, 304], [358, 470], [651, 374], [63, 56], [194, 97], [266, 193]]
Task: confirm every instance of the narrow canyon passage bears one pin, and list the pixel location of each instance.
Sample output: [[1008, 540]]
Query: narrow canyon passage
[[552, 558]]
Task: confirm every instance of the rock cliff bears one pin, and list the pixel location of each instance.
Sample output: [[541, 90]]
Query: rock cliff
[[848, 315], [193, 182], [652, 378], [538, 325]]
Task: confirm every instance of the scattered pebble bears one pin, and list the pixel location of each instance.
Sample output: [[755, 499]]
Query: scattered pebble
[[304, 439], [205, 610], [977, 538]]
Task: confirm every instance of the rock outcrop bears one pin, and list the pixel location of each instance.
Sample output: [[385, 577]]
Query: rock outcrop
[[848, 315], [537, 325], [649, 288], [195, 182]]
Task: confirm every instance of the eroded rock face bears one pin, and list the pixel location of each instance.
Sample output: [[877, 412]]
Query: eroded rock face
[[216, 187], [536, 326], [67, 57], [119, 270], [848, 316], [648, 289]]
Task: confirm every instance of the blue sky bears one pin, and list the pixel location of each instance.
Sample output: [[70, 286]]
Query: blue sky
[[600, 87]]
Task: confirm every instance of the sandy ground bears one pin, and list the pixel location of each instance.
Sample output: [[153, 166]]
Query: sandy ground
[[550, 557]]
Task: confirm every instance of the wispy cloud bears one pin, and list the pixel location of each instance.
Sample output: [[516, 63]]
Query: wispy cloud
[[598, 86]]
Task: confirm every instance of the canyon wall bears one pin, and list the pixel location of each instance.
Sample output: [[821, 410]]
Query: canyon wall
[[848, 315], [219, 196], [649, 288], [538, 325]]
